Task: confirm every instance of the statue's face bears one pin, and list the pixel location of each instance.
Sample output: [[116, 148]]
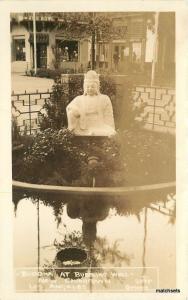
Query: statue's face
[[91, 88]]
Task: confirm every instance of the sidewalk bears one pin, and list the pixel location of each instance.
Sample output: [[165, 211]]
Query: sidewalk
[[21, 83]]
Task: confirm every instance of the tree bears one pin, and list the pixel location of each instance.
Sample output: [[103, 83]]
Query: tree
[[95, 25]]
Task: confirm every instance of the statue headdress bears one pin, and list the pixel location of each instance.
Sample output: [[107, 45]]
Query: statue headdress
[[91, 76]]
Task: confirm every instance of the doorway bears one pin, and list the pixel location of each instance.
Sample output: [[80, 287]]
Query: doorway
[[123, 52], [41, 55]]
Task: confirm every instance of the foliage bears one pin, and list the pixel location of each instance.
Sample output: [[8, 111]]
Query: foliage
[[55, 116], [78, 22], [129, 158], [19, 143], [44, 73], [148, 157], [99, 253], [100, 250], [53, 73], [73, 239], [56, 157], [48, 73], [16, 137], [109, 254], [51, 157], [83, 24]]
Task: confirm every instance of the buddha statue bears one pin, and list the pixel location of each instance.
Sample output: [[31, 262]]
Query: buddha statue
[[91, 114]]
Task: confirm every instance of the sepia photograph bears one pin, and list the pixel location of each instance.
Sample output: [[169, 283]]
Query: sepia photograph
[[93, 103]]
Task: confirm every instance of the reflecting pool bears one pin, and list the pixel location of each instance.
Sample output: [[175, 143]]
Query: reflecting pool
[[129, 242]]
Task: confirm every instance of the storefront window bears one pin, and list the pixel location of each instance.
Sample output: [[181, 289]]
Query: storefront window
[[19, 49], [103, 55], [67, 50]]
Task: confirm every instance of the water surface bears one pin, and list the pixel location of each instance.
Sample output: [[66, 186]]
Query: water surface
[[130, 243]]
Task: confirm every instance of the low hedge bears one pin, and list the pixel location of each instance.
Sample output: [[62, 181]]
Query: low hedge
[[132, 157]]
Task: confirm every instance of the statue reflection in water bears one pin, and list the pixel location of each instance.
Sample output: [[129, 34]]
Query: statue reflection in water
[[90, 212]]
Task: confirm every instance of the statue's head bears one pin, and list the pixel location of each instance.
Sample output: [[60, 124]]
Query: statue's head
[[91, 83]]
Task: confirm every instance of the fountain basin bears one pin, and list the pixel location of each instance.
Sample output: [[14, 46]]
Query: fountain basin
[[106, 191]]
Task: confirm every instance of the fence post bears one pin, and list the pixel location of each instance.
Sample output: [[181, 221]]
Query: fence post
[[154, 104], [29, 114], [18, 105]]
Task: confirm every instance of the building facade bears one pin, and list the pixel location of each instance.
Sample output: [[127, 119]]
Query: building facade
[[132, 47], [53, 47]]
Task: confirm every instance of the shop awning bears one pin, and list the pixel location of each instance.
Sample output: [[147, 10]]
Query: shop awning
[[41, 38]]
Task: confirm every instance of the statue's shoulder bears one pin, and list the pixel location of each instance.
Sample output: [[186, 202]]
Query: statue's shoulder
[[105, 99], [77, 100]]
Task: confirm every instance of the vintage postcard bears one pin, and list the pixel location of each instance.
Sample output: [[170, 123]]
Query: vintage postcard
[[93, 123]]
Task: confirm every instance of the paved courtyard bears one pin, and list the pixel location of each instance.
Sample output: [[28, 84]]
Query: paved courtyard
[[21, 83]]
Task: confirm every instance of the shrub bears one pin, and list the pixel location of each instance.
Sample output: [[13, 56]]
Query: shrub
[[58, 157], [16, 137], [48, 157], [55, 116], [48, 73], [129, 158]]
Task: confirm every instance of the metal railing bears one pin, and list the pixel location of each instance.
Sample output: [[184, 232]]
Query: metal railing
[[26, 109]]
